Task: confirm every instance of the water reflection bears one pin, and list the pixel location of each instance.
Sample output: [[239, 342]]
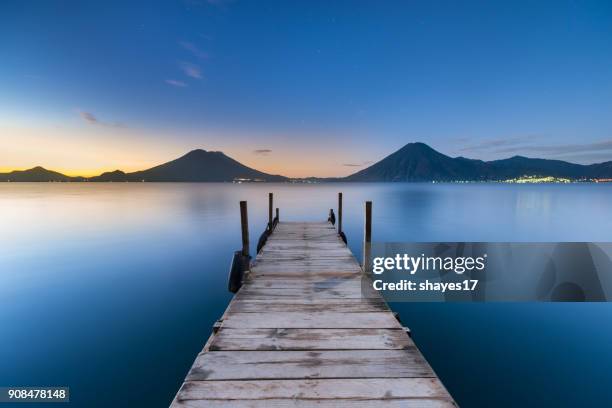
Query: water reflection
[[113, 288]]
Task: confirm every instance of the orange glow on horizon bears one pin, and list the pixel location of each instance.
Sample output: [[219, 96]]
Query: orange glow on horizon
[[298, 170], [87, 151]]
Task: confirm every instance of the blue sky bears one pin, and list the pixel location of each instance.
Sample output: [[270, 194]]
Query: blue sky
[[301, 88]]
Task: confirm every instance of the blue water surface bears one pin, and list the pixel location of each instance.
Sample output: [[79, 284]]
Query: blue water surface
[[112, 289]]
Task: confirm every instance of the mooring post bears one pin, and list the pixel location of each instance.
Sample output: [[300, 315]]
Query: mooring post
[[339, 213], [241, 261], [367, 236], [244, 225], [270, 208]]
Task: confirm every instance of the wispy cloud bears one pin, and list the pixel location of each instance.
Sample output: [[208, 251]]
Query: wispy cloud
[[91, 119], [523, 145], [262, 152], [562, 148], [497, 143], [194, 49], [365, 163], [191, 70], [588, 158], [595, 147], [174, 82]]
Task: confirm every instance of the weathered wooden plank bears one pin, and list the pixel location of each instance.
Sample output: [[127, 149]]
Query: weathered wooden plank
[[282, 254], [301, 260], [312, 237], [355, 388], [288, 274], [347, 305], [303, 273], [305, 266], [344, 282], [267, 365], [305, 300], [315, 266], [278, 245], [275, 248], [306, 293], [305, 230], [327, 264], [310, 257], [330, 277], [324, 320], [316, 260], [310, 339], [301, 403]]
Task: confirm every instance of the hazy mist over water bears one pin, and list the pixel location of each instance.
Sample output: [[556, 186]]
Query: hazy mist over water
[[112, 289]]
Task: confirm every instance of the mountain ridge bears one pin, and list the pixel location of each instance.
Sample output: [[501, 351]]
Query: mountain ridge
[[417, 162], [414, 162], [195, 166], [37, 174]]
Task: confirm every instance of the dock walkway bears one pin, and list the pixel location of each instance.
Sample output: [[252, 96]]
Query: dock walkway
[[299, 334]]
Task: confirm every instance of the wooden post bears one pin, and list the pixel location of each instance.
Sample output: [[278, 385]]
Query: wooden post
[[270, 207], [339, 213], [367, 236], [244, 225]]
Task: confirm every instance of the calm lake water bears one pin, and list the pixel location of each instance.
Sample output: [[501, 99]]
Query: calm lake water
[[112, 289]]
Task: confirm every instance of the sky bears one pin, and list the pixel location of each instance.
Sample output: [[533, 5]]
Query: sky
[[313, 88]]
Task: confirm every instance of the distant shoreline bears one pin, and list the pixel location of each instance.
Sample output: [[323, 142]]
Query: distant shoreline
[[594, 181], [415, 162]]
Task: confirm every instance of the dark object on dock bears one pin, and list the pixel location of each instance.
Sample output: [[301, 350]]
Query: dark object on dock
[[240, 264], [275, 221], [263, 238], [332, 217], [343, 237]]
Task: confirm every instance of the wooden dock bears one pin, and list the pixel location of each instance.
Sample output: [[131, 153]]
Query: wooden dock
[[298, 333]]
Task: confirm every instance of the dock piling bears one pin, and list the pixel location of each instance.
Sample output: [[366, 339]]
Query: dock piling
[[339, 213], [367, 235], [244, 226], [270, 208], [241, 260], [340, 232]]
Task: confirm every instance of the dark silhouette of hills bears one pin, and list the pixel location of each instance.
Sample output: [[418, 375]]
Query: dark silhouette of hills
[[116, 175], [196, 166], [413, 162], [419, 162], [36, 174]]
